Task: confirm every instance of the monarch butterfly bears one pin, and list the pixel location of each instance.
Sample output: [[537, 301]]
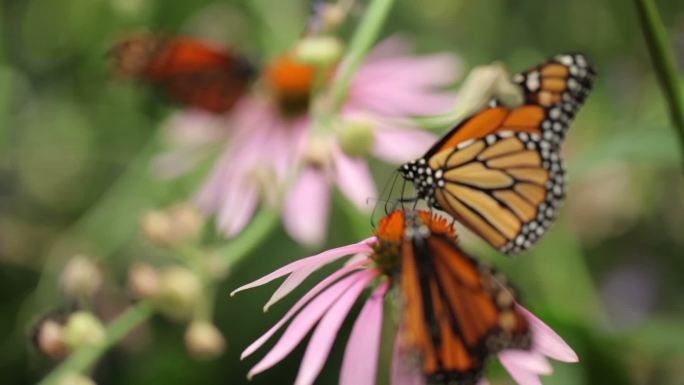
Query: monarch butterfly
[[499, 171], [188, 70], [456, 311]]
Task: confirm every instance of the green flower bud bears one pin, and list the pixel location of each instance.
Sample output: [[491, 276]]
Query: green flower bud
[[319, 50], [179, 292], [83, 329], [355, 137], [173, 226], [204, 341]]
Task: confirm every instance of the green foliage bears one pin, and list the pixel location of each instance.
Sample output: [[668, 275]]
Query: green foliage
[[75, 147]]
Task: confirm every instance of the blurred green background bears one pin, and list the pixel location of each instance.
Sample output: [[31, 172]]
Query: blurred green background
[[608, 277]]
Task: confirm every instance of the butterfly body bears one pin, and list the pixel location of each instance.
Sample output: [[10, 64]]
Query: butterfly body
[[188, 70], [457, 312], [499, 171]]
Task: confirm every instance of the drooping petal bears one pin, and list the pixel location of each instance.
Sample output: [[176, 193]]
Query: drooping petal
[[291, 282], [304, 321], [546, 341], [323, 337], [402, 372], [530, 361], [238, 210], [520, 374], [305, 214], [398, 145], [354, 179], [299, 304], [322, 258], [360, 362]]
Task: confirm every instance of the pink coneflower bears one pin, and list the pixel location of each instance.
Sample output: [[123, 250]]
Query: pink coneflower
[[374, 264], [271, 137]]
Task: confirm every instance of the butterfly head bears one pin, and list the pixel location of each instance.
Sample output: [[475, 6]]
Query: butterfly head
[[423, 177]]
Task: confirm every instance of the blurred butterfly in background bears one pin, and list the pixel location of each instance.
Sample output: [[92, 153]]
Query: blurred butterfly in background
[[456, 311], [499, 171], [192, 72]]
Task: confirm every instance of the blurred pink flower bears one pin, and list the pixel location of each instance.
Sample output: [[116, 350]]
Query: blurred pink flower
[[267, 143], [325, 307]]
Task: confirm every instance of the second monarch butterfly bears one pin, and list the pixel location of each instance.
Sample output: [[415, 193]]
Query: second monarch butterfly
[[190, 71], [456, 311], [499, 172]]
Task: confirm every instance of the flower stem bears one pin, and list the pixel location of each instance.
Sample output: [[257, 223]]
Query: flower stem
[[259, 228], [361, 42], [83, 358], [663, 62]]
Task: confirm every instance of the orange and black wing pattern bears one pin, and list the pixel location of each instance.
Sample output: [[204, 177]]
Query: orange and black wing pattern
[[456, 312], [499, 172], [188, 70]]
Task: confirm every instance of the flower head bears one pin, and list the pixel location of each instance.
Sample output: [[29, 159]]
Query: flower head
[[373, 263], [271, 135]]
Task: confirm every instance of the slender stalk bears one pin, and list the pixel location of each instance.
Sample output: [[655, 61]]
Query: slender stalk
[[663, 62], [259, 228], [361, 42], [80, 360]]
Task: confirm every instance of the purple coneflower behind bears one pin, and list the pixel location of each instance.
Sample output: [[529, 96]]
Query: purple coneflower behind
[[270, 137]]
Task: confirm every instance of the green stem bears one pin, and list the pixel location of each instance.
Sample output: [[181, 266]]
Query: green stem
[[80, 360], [259, 228], [105, 226], [663, 62], [361, 42]]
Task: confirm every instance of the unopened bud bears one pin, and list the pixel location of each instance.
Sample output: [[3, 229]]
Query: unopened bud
[[156, 226], [485, 83], [217, 266], [50, 339], [80, 277], [75, 379], [171, 227], [143, 280], [319, 50], [355, 137], [186, 221], [332, 15], [179, 292], [204, 341], [318, 152], [83, 329]]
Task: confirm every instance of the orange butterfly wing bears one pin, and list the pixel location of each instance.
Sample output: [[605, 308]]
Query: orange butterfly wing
[[456, 313], [188, 70], [499, 172]]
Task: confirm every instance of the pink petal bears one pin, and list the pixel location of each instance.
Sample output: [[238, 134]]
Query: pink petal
[[395, 45], [404, 373], [530, 361], [399, 145], [305, 214], [406, 71], [298, 305], [305, 320], [322, 258], [291, 282], [546, 341], [237, 210], [354, 180], [174, 163], [520, 374], [360, 362], [323, 337], [483, 381]]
